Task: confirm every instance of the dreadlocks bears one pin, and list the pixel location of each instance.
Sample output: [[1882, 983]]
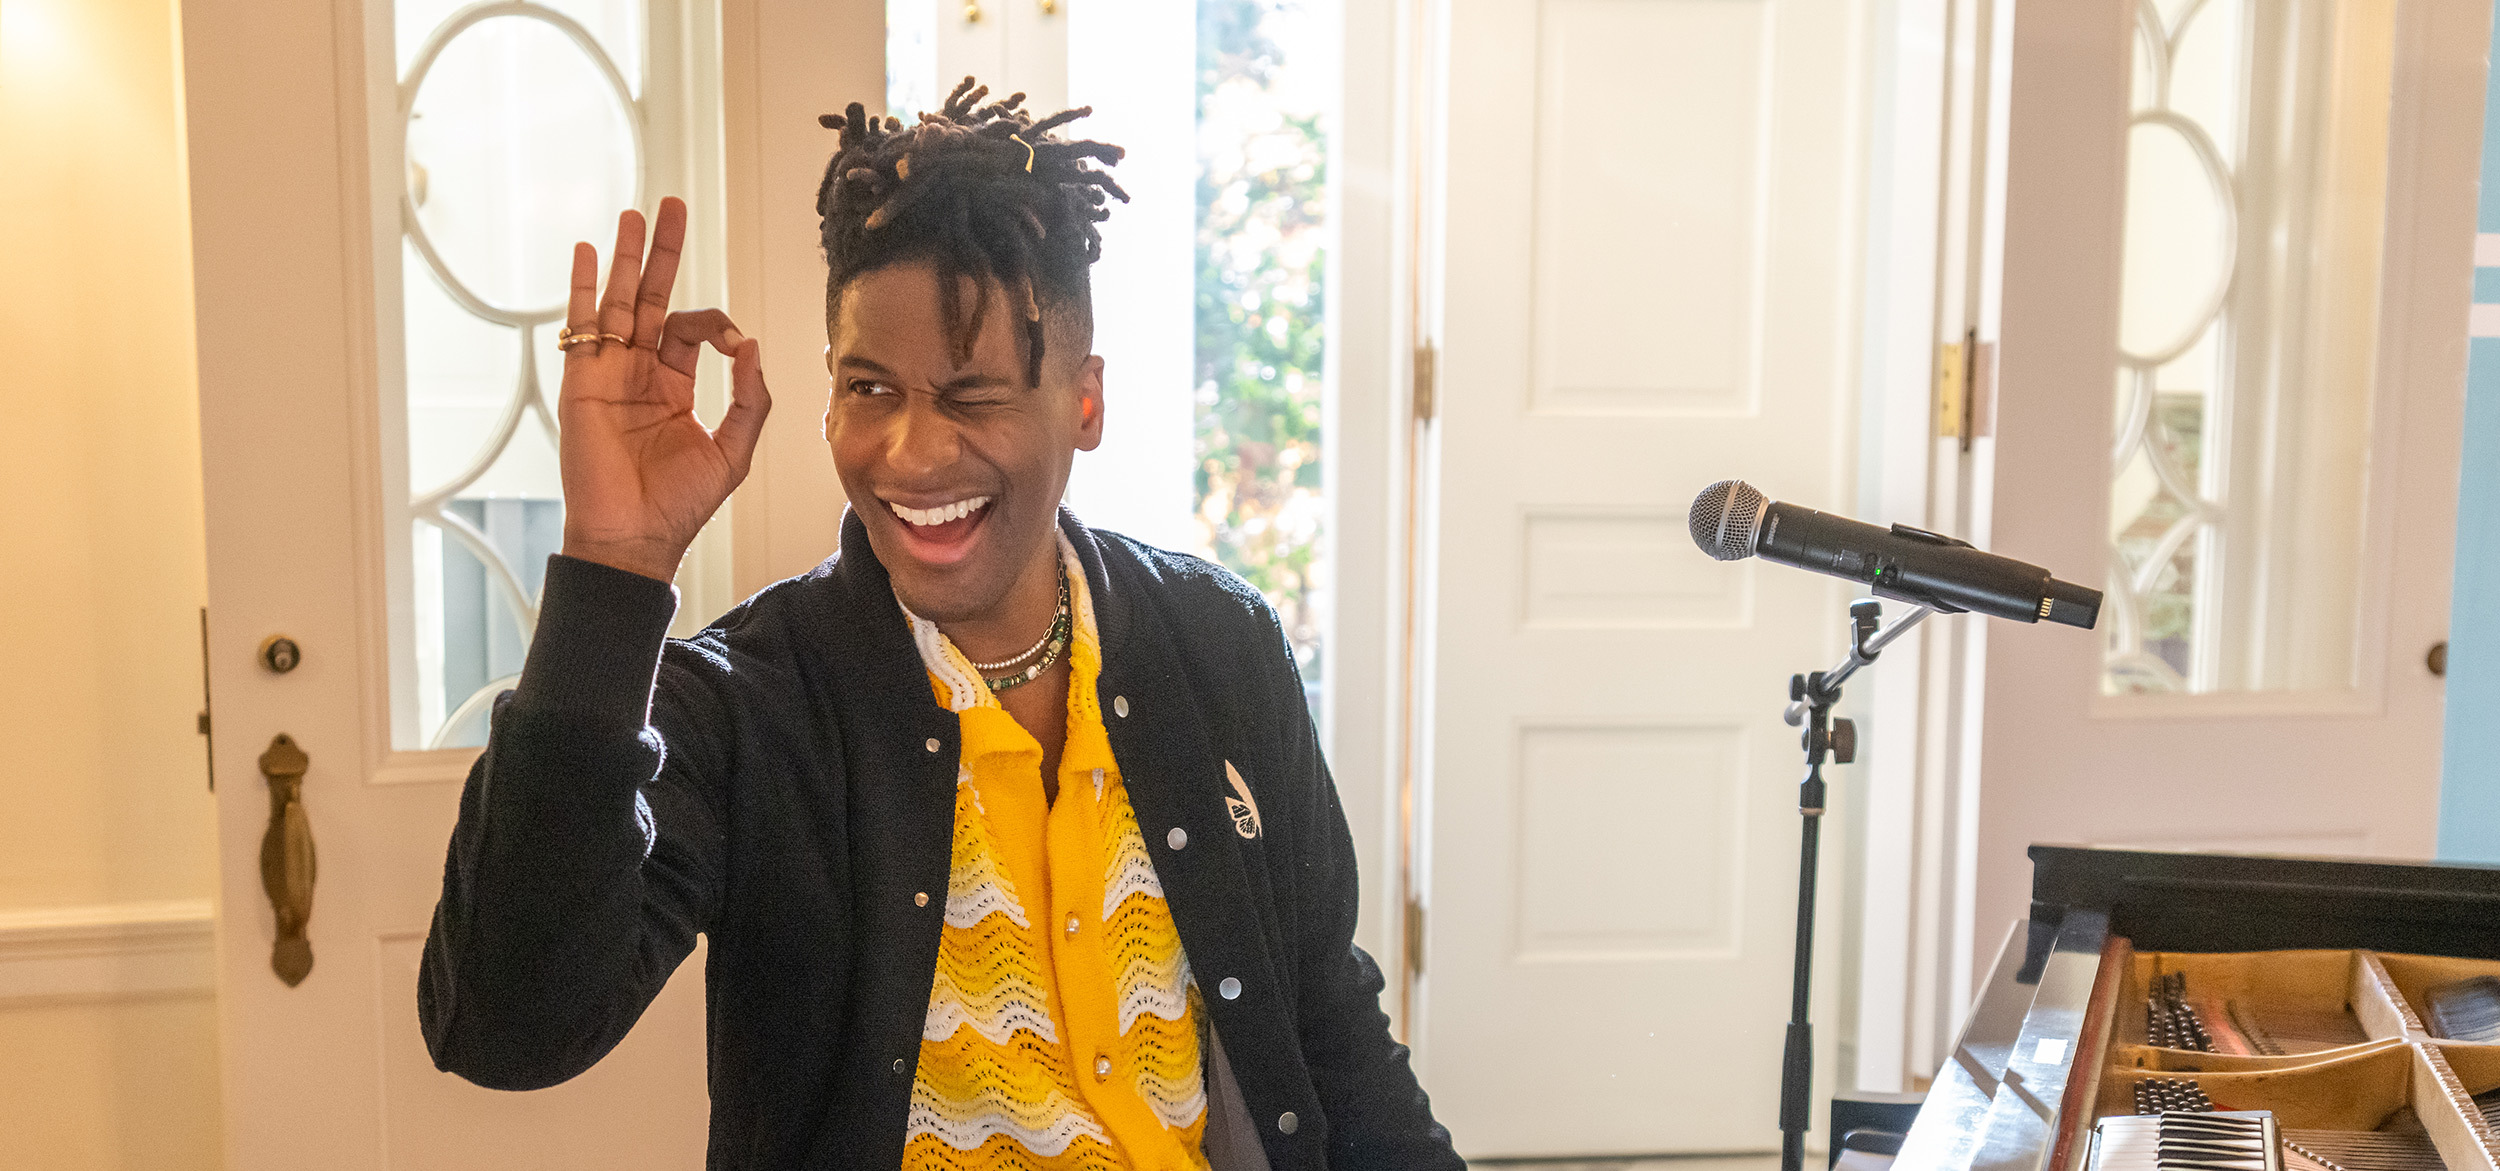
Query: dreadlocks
[[979, 191]]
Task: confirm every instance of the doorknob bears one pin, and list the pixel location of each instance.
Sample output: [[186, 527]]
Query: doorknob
[[286, 858]]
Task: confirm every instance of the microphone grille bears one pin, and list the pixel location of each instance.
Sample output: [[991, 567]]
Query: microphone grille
[[1723, 519]]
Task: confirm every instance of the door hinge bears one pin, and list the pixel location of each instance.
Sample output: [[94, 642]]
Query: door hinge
[[209, 739], [1414, 938], [1427, 380], [1980, 394], [1949, 391], [1957, 388]]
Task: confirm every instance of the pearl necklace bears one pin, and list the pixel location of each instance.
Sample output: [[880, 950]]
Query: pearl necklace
[[1053, 642]]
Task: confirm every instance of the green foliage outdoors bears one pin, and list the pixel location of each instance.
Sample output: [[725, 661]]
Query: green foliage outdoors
[[1261, 268], [2177, 427]]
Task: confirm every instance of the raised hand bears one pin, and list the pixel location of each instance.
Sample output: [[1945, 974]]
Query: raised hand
[[641, 474]]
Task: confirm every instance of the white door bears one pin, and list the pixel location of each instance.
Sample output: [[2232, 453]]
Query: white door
[[2269, 296], [1648, 282], [1010, 45], [378, 487]]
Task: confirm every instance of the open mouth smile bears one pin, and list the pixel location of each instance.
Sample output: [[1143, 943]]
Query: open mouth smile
[[943, 534]]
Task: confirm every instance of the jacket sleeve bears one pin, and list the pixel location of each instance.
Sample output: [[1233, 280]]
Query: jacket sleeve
[[588, 851], [1378, 1116]]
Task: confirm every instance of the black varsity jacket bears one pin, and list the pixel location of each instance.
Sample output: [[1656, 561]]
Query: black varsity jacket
[[784, 784]]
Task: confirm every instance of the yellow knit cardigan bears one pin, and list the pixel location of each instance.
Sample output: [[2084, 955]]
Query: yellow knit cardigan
[[1062, 1029]]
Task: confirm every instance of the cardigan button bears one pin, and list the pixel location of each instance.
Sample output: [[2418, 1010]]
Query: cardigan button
[[1230, 989], [1287, 1123], [898, 1065], [1119, 706], [921, 899], [933, 744], [1176, 839]]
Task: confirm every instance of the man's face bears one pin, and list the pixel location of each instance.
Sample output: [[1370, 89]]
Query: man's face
[[956, 470]]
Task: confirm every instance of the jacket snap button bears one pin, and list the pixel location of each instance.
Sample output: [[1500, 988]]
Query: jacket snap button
[[921, 899], [1287, 1123], [1177, 838], [1119, 706], [933, 744], [898, 1065], [1230, 989]]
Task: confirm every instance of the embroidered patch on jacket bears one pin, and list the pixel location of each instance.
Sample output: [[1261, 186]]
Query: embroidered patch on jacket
[[1245, 808]]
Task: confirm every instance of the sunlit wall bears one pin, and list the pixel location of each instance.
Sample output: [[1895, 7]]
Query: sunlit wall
[[103, 781]]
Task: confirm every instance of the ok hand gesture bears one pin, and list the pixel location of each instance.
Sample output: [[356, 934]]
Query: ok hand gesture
[[641, 474]]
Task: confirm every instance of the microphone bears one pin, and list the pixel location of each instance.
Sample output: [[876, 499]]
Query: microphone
[[1732, 520]]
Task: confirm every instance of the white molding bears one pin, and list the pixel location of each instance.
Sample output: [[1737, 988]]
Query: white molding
[[107, 951]]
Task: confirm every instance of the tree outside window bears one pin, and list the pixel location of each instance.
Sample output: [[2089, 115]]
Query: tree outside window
[[1263, 156]]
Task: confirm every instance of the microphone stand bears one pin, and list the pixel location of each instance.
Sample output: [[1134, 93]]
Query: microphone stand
[[1810, 705]]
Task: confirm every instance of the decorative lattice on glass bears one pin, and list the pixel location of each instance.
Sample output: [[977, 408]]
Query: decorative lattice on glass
[[520, 130], [2256, 158]]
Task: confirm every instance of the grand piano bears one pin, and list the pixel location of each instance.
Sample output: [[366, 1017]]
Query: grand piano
[[2345, 998]]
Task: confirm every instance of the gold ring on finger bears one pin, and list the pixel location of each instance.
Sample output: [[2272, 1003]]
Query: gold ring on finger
[[567, 338]]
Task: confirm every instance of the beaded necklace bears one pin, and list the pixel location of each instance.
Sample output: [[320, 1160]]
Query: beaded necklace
[[1054, 642], [1027, 652]]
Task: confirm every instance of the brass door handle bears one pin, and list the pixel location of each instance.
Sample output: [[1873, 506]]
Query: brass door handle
[[286, 858]]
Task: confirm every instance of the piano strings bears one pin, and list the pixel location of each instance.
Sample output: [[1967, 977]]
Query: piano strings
[[2360, 1150], [2466, 1010], [2174, 1018]]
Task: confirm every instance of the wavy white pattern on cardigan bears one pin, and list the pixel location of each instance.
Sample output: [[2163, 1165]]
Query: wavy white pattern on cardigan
[[1014, 1004], [1132, 873], [1177, 1103], [1045, 1130], [1149, 985], [976, 890]]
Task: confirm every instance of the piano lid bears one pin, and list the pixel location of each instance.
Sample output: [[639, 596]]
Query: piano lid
[[2267, 902]]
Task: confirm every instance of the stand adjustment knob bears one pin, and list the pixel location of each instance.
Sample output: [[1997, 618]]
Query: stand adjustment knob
[[1844, 741]]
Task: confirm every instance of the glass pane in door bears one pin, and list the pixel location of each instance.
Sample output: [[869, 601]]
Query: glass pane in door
[[2256, 165], [521, 131], [1267, 78]]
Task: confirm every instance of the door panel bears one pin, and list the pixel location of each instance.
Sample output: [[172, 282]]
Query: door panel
[[294, 235], [2336, 768], [1612, 825], [644, 1104]]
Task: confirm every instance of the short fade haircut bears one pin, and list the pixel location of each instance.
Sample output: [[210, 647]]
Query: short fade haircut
[[980, 191]]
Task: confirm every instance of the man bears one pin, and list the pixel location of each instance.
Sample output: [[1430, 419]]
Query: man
[[1012, 839]]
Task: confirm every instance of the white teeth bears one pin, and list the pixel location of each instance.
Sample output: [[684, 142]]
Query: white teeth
[[941, 514]]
